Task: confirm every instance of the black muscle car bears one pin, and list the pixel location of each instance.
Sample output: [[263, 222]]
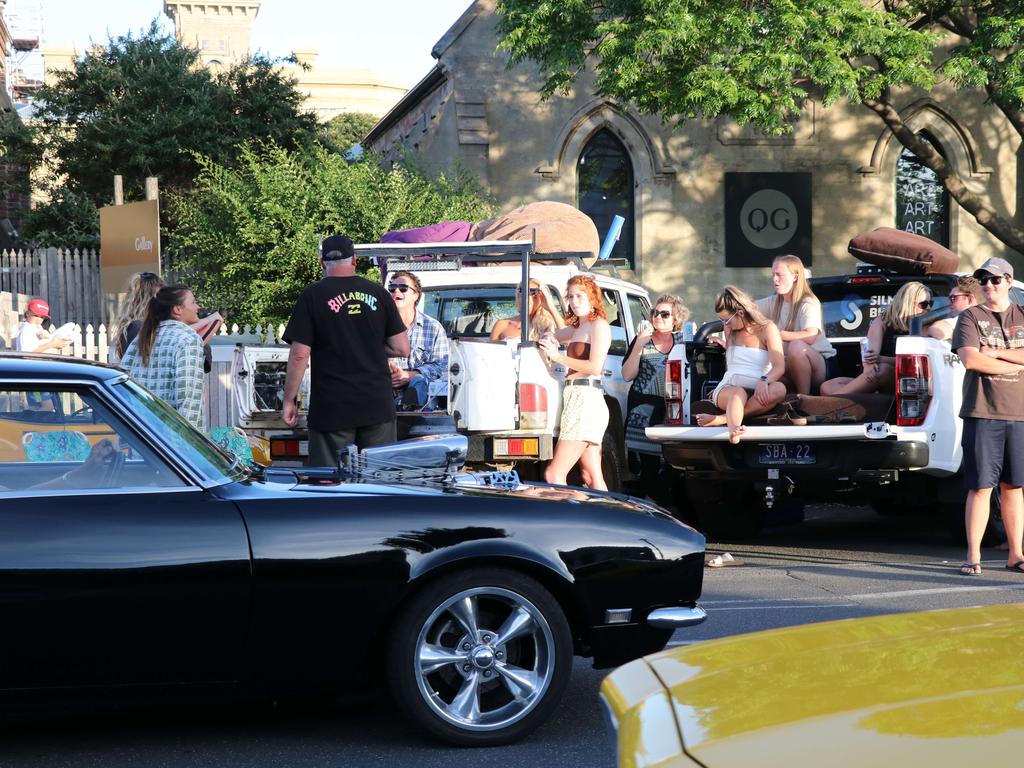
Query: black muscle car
[[137, 555]]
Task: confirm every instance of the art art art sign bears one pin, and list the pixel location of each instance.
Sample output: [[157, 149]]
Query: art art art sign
[[767, 214], [129, 242]]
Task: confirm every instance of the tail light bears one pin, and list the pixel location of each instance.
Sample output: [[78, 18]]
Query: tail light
[[913, 389], [533, 406], [288, 448], [674, 392]]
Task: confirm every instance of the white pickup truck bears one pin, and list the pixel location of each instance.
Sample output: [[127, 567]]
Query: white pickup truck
[[899, 452], [502, 395]]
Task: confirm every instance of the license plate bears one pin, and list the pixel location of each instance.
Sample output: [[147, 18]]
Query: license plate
[[516, 448], [786, 453]]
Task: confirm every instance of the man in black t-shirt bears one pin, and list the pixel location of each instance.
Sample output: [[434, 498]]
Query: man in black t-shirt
[[350, 327]]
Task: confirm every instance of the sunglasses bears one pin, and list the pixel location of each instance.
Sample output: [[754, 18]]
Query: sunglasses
[[994, 279], [399, 287], [663, 314], [954, 296], [926, 304], [533, 291]]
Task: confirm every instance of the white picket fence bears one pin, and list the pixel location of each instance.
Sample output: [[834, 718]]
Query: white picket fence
[[219, 409]]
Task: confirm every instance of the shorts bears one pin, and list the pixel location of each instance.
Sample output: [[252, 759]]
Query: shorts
[[748, 383], [584, 415], [325, 446], [993, 453]]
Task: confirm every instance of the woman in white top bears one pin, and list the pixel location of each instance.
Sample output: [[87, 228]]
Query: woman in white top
[[755, 363], [797, 312]]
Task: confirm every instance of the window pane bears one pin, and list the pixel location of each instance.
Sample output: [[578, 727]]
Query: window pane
[[66, 440], [615, 320], [604, 189], [473, 312], [639, 309], [922, 203]]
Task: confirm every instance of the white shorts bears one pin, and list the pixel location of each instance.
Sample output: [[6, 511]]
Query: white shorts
[[584, 415]]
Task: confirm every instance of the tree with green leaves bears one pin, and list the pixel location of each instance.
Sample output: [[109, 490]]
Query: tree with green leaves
[[758, 61], [143, 105], [346, 129], [246, 236]]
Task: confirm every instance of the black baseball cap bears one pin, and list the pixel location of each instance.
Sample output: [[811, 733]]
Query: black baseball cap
[[337, 248]]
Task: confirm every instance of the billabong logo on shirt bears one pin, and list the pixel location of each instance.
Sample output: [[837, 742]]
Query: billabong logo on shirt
[[353, 299]]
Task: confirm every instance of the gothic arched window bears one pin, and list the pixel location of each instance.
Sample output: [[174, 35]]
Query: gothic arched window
[[922, 203], [604, 188]]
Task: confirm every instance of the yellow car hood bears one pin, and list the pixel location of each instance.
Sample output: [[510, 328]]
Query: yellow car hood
[[938, 688]]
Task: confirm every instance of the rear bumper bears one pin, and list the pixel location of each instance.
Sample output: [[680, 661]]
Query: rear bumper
[[834, 459]]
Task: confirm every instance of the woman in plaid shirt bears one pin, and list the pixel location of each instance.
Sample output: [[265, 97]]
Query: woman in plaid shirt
[[427, 362], [167, 355]]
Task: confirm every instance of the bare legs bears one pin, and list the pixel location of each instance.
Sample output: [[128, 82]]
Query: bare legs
[[976, 513], [567, 453], [805, 367], [878, 378], [737, 404]]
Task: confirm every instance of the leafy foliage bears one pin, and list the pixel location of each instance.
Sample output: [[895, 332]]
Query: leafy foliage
[[346, 129], [68, 220], [246, 237], [145, 106], [759, 60], [687, 59]]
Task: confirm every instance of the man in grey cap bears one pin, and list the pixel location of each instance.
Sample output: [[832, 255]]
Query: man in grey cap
[[989, 339], [349, 326]]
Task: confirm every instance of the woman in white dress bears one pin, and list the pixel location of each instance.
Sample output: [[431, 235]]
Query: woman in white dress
[[755, 363]]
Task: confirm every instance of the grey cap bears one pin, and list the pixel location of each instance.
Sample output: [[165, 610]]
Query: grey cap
[[995, 266]]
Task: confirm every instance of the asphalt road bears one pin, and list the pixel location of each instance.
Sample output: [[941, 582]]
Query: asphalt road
[[842, 562]]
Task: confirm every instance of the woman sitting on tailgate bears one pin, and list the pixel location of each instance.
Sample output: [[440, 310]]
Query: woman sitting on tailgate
[[879, 359], [754, 364]]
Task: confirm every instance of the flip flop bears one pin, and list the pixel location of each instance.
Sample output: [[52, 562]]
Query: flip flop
[[968, 569], [1018, 566], [723, 560]]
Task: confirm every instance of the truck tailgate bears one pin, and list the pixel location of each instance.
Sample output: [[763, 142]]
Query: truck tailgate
[[786, 432]]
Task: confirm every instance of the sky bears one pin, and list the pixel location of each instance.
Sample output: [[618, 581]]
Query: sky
[[393, 37]]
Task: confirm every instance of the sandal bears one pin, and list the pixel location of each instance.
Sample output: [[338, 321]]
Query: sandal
[[973, 569], [1018, 566]]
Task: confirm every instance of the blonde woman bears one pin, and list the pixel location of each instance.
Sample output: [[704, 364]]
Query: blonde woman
[[544, 318], [797, 312], [755, 363], [879, 371], [142, 287]]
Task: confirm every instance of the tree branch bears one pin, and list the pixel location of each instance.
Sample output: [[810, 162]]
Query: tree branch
[[1000, 227]]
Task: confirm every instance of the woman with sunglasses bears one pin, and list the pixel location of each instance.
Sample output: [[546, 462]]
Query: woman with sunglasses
[[543, 316], [644, 365], [755, 363], [427, 361], [584, 411], [879, 358], [797, 312]]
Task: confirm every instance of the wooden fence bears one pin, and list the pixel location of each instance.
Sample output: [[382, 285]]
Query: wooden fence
[[68, 280], [93, 343]]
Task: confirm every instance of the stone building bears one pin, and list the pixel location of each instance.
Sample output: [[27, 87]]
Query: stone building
[[711, 202], [14, 192], [222, 32]]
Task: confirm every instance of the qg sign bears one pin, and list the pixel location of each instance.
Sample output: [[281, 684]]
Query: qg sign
[[766, 214]]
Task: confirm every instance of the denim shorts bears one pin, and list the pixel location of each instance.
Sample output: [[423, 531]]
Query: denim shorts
[[993, 453]]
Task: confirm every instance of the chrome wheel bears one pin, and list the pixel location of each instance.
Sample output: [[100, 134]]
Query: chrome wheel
[[484, 658]]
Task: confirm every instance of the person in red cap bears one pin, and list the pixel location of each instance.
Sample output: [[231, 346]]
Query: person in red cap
[[32, 337]]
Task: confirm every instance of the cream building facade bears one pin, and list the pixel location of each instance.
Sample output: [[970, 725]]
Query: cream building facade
[[677, 188], [222, 32]]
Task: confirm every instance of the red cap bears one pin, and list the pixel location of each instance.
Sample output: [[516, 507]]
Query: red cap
[[39, 307]]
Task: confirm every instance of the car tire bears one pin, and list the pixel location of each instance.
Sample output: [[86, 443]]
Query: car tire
[[452, 674], [612, 465]]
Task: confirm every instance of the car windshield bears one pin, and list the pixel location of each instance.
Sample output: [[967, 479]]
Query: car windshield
[[472, 311], [172, 430]]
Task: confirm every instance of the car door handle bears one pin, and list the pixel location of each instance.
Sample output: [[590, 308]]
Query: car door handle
[[607, 373]]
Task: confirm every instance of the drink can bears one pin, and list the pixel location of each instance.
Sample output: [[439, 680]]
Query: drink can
[[865, 347]]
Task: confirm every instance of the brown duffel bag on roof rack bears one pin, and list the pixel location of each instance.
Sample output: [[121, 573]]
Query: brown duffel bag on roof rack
[[903, 252]]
